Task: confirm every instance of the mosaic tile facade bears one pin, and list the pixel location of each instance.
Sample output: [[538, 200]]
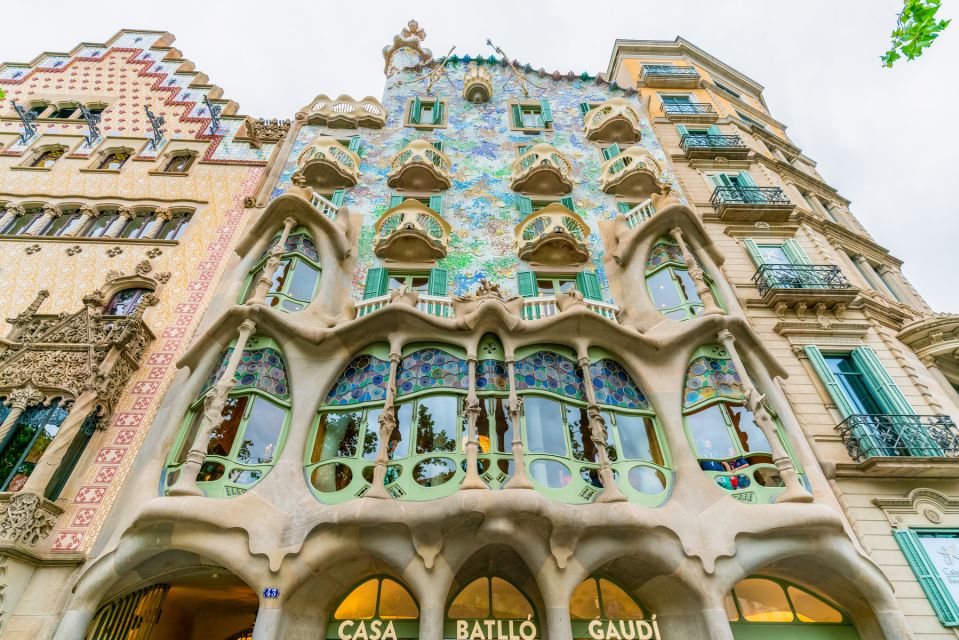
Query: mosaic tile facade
[[363, 380], [548, 371], [614, 387], [430, 368]]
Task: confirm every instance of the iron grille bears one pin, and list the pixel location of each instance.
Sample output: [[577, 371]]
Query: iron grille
[[695, 141], [689, 108], [749, 195], [668, 70], [870, 435], [799, 276]]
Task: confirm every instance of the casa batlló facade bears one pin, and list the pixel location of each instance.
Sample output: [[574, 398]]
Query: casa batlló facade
[[503, 354]]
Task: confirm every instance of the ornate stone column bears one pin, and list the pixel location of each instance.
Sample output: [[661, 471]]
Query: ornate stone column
[[519, 480], [87, 213], [10, 213], [794, 491], [19, 400], [868, 273], [597, 428], [265, 281], [387, 422], [161, 217], [50, 212], [124, 215], [473, 411], [705, 293], [213, 406]]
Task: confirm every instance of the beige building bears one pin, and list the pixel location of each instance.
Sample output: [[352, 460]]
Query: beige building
[[504, 354]]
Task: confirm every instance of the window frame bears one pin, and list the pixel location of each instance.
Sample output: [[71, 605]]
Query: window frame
[[541, 109], [412, 119], [294, 259]]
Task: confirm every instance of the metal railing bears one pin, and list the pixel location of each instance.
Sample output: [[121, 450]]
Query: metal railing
[[799, 276], [668, 70], [698, 141], [761, 196], [871, 435], [688, 108]]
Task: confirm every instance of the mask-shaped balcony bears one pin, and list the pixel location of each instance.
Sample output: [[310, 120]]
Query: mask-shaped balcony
[[411, 232], [326, 164], [542, 170], [420, 166], [634, 173], [553, 236], [345, 112], [477, 85], [613, 121]]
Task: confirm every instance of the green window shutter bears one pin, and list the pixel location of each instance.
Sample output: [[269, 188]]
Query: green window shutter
[[683, 131], [745, 180], [568, 203], [337, 197], [415, 110], [437, 112], [523, 148], [355, 144], [584, 108], [525, 205], [395, 201], [438, 282], [526, 281], [376, 281], [436, 204], [517, 116], [437, 145], [611, 151], [713, 130], [588, 285], [546, 114], [753, 250], [829, 380], [795, 252], [932, 585], [888, 394], [623, 207], [720, 180]]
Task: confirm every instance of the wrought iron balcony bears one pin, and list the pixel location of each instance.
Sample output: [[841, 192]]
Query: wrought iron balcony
[[411, 232], [712, 146], [751, 204], [554, 235], [689, 108], [799, 276], [668, 75], [870, 435], [542, 170], [327, 164], [420, 166], [634, 173], [616, 120]]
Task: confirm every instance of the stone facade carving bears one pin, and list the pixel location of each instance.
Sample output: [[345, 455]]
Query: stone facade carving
[[27, 519]]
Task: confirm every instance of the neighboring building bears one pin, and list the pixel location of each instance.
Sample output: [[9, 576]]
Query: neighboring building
[[509, 354]]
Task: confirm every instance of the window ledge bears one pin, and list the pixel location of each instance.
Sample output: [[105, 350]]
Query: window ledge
[[900, 467], [86, 240], [21, 168], [100, 170], [174, 174]]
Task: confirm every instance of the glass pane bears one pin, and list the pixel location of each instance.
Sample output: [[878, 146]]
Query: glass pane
[[687, 286], [436, 420], [262, 432], [566, 285], [545, 287], [503, 424], [419, 283], [809, 608], [637, 435], [773, 254], [100, 225], [731, 613], [482, 428], [763, 601], [709, 434], [396, 282], [544, 426], [472, 601], [434, 472], [124, 302], [279, 278], [396, 603], [34, 432], [617, 604], [580, 435], [647, 480], [550, 473], [853, 384], [360, 604], [750, 436], [222, 437], [70, 225], [371, 437], [134, 228], [187, 442], [304, 281], [584, 603], [663, 290], [330, 478], [508, 602], [336, 436], [400, 438]]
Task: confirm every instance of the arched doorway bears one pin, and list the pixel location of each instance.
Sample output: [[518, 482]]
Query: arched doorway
[[491, 607], [762, 607], [600, 609], [379, 608]]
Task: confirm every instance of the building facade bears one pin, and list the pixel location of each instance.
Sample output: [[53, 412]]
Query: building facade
[[506, 354]]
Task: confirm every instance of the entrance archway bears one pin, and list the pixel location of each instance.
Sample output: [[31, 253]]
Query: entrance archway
[[379, 608], [491, 608], [600, 609]]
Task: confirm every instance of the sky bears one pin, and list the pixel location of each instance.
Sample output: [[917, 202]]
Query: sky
[[875, 133]]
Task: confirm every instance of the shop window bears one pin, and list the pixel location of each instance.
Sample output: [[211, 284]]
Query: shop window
[[426, 113], [27, 440], [377, 599], [767, 605], [297, 277], [531, 116], [670, 286]]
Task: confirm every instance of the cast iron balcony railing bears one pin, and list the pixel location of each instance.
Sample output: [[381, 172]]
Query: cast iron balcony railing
[[692, 141], [870, 435], [749, 195], [652, 71], [689, 108], [799, 276]]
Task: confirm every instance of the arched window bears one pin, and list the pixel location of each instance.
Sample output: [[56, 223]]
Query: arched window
[[173, 228], [18, 224], [136, 225], [100, 224], [670, 285], [243, 447], [296, 279], [114, 160], [600, 608], [491, 599], [179, 162], [730, 446], [124, 302], [48, 157], [762, 607], [24, 444], [377, 607]]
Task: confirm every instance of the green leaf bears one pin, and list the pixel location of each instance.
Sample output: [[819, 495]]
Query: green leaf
[[915, 30]]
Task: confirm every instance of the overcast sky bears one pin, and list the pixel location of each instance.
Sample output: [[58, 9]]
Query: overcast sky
[[876, 133]]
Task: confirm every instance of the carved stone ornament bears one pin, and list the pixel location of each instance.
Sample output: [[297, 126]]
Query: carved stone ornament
[[27, 519], [154, 253], [163, 277], [144, 267], [114, 252], [74, 250], [411, 37], [32, 249]]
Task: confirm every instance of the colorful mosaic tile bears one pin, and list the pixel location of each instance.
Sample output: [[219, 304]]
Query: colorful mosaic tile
[[662, 253], [261, 369], [298, 242], [613, 386], [430, 369], [492, 375], [709, 378], [548, 371], [363, 380]]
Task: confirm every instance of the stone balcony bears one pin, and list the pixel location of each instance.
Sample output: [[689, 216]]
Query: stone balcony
[[712, 147], [327, 164], [542, 170], [553, 236], [640, 213], [751, 204], [804, 286], [345, 112], [634, 173], [540, 307], [420, 166], [669, 76], [411, 232], [616, 120]]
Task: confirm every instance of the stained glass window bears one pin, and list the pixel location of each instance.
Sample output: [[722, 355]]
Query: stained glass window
[[261, 369], [429, 369], [491, 375], [363, 380], [548, 371], [708, 378], [662, 253], [613, 386]]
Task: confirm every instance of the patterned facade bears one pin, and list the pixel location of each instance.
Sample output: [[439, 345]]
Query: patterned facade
[[508, 353]]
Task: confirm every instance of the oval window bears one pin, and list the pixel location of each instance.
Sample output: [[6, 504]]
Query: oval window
[[330, 478], [550, 473], [393, 473], [434, 472], [647, 480], [210, 471], [768, 477]]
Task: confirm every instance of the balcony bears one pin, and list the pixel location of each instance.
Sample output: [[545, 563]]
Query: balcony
[[553, 236], [690, 112], [710, 147], [869, 436], [542, 170], [439, 306], [640, 213], [324, 206], [613, 121], [411, 232], [540, 307], [634, 174], [751, 204], [477, 85], [345, 112], [804, 286], [420, 166], [668, 75], [326, 164]]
